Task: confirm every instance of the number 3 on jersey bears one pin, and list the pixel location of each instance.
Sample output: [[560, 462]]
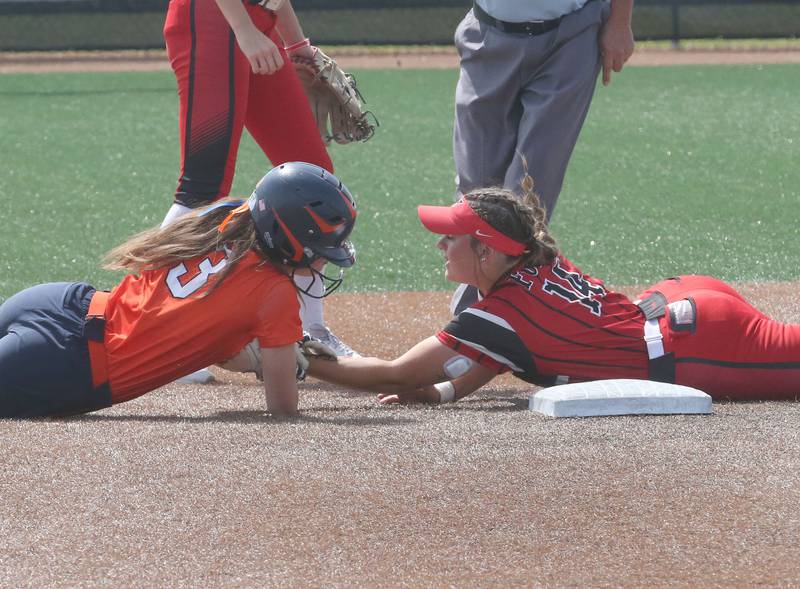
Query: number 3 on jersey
[[182, 286]]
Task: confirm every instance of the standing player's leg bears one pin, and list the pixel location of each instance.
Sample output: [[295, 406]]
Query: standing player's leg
[[280, 120], [212, 76], [555, 101]]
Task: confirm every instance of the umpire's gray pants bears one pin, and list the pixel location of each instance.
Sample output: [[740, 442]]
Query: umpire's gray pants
[[526, 94]]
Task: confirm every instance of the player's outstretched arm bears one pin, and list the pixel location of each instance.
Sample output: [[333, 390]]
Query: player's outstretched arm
[[443, 392], [280, 385], [413, 374]]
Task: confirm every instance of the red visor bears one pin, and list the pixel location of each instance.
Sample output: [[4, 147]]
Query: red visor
[[460, 219]]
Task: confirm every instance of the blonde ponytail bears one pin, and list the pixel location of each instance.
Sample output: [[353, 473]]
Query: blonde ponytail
[[188, 237]]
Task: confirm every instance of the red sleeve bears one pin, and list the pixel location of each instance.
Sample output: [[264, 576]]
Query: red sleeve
[[279, 317], [471, 353]]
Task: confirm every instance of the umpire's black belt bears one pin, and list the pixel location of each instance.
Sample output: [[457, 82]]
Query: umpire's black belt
[[533, 27]]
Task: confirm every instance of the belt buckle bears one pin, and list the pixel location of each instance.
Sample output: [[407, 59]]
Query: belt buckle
[[656, 337], [653, 339], [652, 331]]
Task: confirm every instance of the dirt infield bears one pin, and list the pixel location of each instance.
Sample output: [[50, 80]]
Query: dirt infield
[[364, 58], [195, 486]]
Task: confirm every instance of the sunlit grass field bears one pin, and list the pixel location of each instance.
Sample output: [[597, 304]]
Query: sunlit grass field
[[678, 170]]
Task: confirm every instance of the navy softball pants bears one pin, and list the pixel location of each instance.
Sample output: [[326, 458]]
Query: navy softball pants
[[44, 356]]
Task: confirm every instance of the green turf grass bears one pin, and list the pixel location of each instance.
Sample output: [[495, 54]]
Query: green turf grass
[[688, 169], [88, 159], [678, 169]]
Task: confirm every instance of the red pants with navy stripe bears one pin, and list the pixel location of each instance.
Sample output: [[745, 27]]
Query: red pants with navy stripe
[[220, 95], [733, 351]]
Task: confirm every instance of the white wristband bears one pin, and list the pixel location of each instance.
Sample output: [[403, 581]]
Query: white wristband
[[447, 392]]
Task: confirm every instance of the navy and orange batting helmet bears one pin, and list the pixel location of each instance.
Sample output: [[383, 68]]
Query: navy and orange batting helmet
[[302, 213]]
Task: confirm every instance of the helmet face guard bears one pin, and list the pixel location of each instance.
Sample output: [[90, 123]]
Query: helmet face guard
[[329, 283], [303, 213]]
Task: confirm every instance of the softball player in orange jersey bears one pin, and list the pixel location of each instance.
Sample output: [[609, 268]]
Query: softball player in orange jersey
[[200, 290]]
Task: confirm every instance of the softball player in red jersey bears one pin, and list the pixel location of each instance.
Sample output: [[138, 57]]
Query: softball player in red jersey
[[232, 75], [200, 290], [544, 320]]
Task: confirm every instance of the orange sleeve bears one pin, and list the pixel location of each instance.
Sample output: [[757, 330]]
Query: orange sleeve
[[279, 317]]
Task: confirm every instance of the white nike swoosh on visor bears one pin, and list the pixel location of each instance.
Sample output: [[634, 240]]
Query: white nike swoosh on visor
[[481, 234]]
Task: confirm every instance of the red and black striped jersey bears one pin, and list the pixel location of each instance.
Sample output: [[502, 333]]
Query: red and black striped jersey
[[552, 324]]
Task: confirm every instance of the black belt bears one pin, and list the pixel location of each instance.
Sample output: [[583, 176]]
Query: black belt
[[534, 27]]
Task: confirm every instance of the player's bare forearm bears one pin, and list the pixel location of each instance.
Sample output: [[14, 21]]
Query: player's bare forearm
[[459, 388], [280, 386], [395, 383], [422, 366], [368, 374], [288, 25]]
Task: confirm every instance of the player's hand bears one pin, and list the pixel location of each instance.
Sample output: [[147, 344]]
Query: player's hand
[[306, 52], [616, 46], [426, 395], [263, 55]]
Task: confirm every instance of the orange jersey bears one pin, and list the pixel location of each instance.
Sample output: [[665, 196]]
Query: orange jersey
[[159, 326]]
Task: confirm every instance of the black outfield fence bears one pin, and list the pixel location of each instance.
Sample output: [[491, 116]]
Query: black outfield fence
[[27, 25]]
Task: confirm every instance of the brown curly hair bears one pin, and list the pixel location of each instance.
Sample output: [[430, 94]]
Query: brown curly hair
[[522, 218]]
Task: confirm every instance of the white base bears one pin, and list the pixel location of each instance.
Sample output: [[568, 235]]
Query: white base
[[618, 397]]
